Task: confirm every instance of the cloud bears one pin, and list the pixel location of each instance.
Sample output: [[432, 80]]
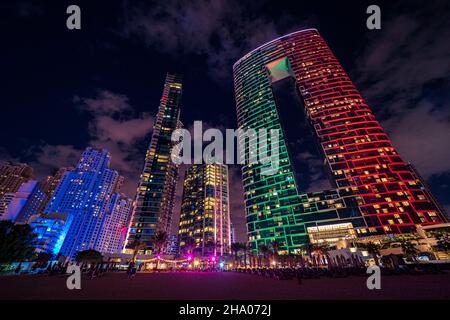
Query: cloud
[[105, 103], [408, 54], [404, 74], [48, 158], [221, 30], [28, 9], [114, 126], [421, 136]]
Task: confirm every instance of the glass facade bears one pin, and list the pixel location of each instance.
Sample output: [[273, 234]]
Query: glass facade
[[156, 191], [205, 215], [376, 190], [84, 194], [51, 230]]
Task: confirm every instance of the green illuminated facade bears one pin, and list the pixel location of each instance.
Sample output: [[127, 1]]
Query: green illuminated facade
[[272, 204], [296, 79]]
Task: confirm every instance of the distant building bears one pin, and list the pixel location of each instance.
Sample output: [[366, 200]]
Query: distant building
[[112, 235], [85, 194], [232, 235], [5, 201], [156, 191], [51, 230], [12, 175], [24, 203], [205, 215], [173, 245], [119, 183]]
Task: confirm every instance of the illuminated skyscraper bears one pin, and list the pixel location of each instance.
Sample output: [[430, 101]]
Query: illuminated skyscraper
[[112, 235], [205, 215], [375, 193], [84, 194], [156, 191]]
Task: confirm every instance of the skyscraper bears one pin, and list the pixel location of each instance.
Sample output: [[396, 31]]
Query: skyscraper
[[205, 215], [85, 194], [376, 192], [112, 235], [156, 190], [12, 175]]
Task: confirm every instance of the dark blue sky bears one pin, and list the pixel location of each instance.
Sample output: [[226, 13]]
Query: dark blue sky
[[63, 90]]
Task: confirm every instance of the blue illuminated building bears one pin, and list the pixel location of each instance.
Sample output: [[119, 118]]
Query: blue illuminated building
[[84, 194], [51, 230]]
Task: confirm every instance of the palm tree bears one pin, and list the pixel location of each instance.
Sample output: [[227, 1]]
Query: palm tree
[[159, 240], [245, 248], [264, 249], [320, 251], [16, 242], [374, 250], [308, 247], [274, 247], [190, 245], [443, 242], [137, 245], [235, 248], [409, 249]]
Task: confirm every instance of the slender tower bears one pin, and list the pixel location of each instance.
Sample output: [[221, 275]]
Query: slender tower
[[83, 193], [205, 214], [375, 191], [156, 190]]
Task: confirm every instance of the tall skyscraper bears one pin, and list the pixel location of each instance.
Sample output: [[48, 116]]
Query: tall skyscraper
[[376, 192], [85, 194], [113, 231], [205, 214], [156, 191]]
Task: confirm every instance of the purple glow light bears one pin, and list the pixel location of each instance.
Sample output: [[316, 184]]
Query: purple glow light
[[189, 258]]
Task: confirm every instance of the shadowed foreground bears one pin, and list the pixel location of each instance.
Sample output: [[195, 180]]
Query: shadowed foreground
[[198, 286]]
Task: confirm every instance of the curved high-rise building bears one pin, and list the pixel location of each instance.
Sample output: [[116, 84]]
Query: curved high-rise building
[[375, 191], [155, 194]]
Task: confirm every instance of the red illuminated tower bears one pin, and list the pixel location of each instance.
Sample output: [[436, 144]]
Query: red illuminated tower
[[369, 176]]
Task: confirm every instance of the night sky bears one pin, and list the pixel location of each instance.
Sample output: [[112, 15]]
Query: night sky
[[63, 90]]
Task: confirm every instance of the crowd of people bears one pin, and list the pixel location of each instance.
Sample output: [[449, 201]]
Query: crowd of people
[[301, 273]]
